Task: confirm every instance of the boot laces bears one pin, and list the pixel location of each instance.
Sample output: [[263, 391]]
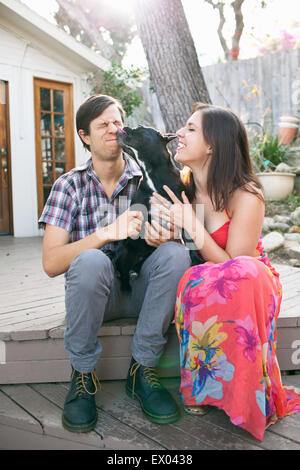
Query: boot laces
[[82, 381], [149, 373]]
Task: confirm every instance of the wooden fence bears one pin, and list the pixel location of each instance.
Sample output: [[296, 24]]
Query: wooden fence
[[258, 90]]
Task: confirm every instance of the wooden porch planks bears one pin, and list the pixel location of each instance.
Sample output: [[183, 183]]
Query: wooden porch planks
[[37, 327], [11, 414], [186, 434], [114, 434], [170, 438], [12, 438], [273, 439], [290, 307], [30, 418], [216, 428], [288, 326], [42, 405], [44, 412]]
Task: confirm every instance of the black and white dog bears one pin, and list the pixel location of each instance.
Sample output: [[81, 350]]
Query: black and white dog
[[149, 149]]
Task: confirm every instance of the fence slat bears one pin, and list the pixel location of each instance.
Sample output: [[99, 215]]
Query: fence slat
[[232, 84]]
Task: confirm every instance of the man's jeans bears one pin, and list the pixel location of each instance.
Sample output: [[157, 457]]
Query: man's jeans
[[93, 295]]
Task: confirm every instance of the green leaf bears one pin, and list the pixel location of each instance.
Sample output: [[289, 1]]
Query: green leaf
[[115, 82]]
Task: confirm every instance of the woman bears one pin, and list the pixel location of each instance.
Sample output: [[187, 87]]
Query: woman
[[227, 307]]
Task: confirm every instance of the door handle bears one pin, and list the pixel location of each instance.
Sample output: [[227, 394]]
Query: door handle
[[4, 170]]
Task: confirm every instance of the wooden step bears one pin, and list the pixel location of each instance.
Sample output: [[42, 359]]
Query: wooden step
[[45, 360], [32, 324]]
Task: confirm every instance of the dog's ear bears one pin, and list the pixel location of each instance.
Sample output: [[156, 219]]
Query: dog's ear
[[169, 137]]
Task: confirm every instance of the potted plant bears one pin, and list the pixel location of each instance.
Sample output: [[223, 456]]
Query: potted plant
[[267, 153], [287, 128]]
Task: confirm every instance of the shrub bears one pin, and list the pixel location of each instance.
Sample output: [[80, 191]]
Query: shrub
[[267, 152], [120, 83]]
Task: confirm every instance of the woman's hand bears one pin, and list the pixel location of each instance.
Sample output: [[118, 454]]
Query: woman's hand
[[180, 214], [155, 234]]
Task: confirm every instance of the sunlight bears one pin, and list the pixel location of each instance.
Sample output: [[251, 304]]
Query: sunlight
[[45, 8], [121, 6], [203, 23]]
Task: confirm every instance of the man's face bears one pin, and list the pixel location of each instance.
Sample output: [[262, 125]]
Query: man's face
[[103, 134]]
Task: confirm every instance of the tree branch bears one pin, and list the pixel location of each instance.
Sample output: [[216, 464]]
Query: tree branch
[[220, 32], [220, 7], [76, 13], [233, 53], [239, 26]]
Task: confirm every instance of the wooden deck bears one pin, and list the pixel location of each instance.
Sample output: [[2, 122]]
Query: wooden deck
[[30, 418], [34, 371]]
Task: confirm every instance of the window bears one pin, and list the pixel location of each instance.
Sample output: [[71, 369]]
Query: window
[[54, 134]]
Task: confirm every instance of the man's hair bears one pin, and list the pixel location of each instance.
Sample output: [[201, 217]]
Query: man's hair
[[91, 109]]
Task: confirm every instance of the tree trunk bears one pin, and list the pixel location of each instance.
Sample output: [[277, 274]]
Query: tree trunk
[[174, 68]]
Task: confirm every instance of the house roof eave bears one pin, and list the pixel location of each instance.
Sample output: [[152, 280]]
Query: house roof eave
[[38, 27]]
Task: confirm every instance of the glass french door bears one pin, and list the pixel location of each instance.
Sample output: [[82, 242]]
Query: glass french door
[[5, 177], [54, 131]]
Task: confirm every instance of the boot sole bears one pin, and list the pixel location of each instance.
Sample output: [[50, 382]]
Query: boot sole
[[155, 419], [79, 427]]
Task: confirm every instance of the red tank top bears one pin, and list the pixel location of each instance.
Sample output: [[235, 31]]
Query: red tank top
[[221, 234]]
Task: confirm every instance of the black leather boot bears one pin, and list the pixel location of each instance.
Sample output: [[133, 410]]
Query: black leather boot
[[156, 402], [80, 412]]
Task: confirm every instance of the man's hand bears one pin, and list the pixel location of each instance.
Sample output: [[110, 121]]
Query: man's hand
[[155, 234], [128, 224]]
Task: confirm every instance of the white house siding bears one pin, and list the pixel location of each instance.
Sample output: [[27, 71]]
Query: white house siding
[[21, 59]]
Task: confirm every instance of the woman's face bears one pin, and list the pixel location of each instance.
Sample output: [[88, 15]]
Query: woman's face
[[192, 149]]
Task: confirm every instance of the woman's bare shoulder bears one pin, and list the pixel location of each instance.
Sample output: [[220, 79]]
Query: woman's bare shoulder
[[242, 198]]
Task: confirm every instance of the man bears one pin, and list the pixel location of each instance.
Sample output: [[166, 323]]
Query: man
[[85, 216]]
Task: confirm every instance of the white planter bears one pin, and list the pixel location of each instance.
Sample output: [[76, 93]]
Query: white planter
[[288, 128], [277, 185], [291, 119]]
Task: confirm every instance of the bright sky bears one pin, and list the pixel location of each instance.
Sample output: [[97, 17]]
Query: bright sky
[[203, 22]]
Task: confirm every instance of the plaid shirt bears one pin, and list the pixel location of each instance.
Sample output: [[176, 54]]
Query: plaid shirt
[[79, 204]]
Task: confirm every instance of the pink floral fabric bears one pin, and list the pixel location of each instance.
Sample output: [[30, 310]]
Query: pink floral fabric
[[226, 317]]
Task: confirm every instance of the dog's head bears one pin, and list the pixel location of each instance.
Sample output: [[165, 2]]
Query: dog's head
[[148, 142]]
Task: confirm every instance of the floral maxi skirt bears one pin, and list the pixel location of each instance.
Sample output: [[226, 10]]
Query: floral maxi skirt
[[226, 317]]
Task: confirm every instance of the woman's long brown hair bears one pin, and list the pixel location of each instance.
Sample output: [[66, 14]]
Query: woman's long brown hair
[[230, 167]]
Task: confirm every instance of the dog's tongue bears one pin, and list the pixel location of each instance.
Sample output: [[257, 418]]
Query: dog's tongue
[[121, 131]]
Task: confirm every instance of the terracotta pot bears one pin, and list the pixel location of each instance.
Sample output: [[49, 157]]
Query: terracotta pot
[[277, 185], [288, 128]]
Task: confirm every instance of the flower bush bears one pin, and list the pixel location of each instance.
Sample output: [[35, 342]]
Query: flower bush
[[285, 41]]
